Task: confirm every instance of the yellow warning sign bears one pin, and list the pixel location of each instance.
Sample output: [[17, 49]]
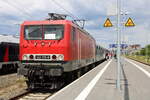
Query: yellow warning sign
[[107, 23], [129, 23]]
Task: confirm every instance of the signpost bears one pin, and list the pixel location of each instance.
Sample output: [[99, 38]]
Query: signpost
[[108, 23], [122, 46], [129, 23]]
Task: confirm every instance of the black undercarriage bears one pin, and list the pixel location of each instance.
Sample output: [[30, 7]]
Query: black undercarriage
[[51, 77]]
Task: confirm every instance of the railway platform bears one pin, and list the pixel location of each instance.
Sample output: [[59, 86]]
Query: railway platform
[[100, 83]]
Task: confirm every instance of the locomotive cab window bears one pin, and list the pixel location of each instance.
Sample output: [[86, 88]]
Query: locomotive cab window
[[33, 32], [54, 32]]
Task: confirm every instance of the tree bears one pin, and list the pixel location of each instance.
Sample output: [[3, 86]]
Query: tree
[[142, 52], [137, 53], [147, 50]]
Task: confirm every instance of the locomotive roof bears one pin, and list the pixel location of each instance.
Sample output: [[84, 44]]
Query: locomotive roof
[[46, 22]]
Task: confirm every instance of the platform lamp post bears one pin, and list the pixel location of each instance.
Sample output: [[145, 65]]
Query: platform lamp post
[[118, 42], [109, 24]]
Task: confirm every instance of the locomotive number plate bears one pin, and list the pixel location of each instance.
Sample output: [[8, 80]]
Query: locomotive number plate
[[42, 57]]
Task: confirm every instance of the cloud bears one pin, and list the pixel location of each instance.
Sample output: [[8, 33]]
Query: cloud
[[94, 11]]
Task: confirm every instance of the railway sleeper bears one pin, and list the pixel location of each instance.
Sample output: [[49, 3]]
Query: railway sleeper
[[45, 82]]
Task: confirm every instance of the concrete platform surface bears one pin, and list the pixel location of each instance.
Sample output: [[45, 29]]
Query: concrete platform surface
[[100, 83]]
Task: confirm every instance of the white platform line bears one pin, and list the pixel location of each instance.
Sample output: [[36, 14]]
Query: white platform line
[[89, 87], [143, 70], [64, 89]]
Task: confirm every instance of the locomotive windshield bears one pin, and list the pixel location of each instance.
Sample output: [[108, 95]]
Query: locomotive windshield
[[50, 32], [53, 32], [33, 32]]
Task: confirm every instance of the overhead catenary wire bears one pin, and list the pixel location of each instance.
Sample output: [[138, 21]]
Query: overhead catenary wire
[[22, 10], [26, 13], [75, 18], [60, 6]]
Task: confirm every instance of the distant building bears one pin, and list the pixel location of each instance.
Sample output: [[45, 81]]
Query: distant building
[[133, 48]]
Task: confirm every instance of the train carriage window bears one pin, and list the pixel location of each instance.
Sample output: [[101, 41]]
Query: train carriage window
[[33, 32], [53, 32]]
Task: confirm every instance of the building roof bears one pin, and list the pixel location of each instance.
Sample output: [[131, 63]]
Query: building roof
[[9, 38]]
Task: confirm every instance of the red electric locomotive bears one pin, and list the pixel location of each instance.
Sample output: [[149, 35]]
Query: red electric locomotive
[[55, 50]]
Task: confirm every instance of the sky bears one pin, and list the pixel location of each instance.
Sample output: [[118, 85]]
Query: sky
[[95, 12]]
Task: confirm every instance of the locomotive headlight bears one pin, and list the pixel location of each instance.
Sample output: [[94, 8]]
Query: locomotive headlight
[[31, 57], [60, 57], [25, 57], [54, 57]]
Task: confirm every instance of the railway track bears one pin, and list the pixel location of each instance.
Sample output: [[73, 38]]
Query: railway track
[[33, 95], [139, 61]]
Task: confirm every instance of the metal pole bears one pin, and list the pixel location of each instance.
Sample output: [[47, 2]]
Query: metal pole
[[118, 42]]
